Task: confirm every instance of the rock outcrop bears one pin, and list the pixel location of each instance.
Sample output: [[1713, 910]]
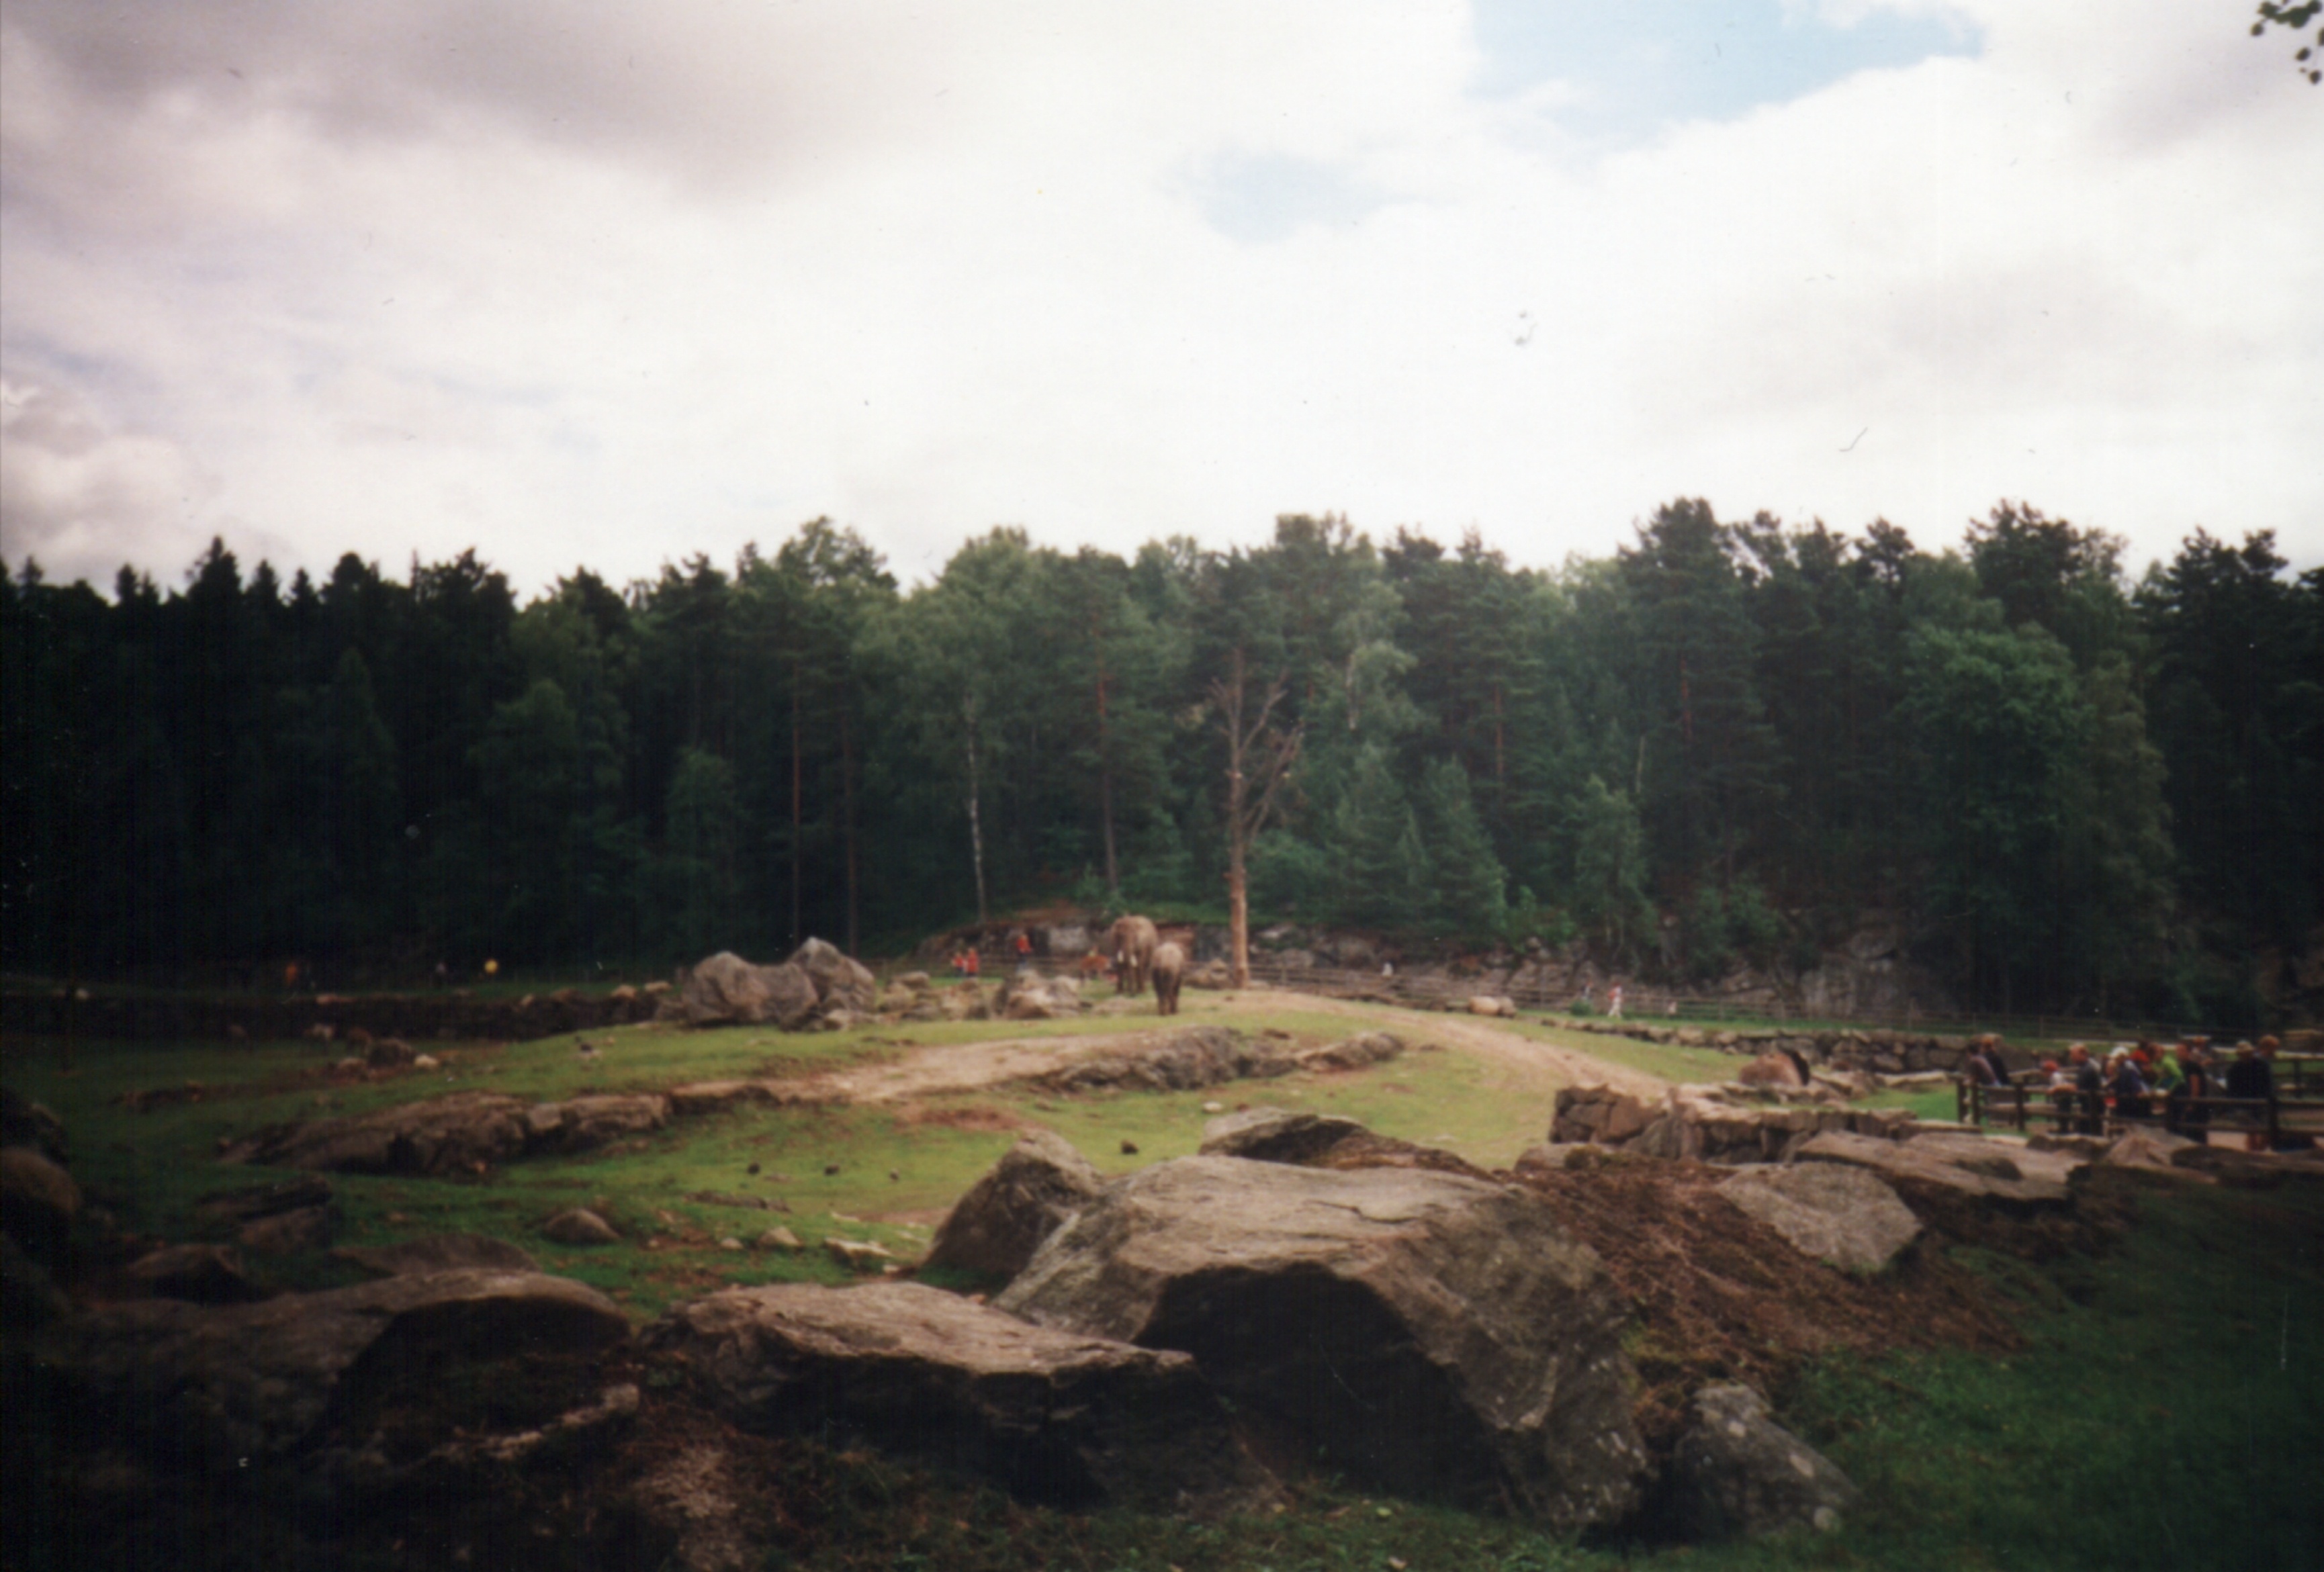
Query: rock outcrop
[[840, 981], [222, 1383], [438, 1252], [1708, 1125], [725, 990], [1184, 1060], [1426, 1333], [1841, 1216], [38, 1201], [198, 1273], [1738, 1474], [1051, 1415], [996, 1226], [1968, 1165], [1360, 1051], [463, 1132], [1027, 995], [1277, 1135]]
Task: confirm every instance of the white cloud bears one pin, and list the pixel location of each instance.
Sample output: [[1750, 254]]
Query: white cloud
[[73, 494], [417, 277]]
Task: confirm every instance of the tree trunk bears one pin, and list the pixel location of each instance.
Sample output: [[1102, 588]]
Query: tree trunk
[[975, 819], [1105, 780], [797, 808], [1238, 914], [1255, 749], [847, 825]]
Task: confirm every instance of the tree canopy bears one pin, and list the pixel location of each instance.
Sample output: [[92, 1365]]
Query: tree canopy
[[1727, 743]]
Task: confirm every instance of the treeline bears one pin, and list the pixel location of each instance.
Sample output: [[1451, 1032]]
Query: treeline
[[1725, 743]]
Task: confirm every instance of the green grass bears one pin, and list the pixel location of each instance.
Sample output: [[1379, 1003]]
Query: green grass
[[1936, 1103], [1670, 1061], [2172, 1419]]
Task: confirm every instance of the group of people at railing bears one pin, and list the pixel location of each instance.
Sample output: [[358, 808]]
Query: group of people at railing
[[2182, 1086]]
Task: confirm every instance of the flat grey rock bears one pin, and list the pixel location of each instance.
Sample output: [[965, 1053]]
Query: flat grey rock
[[1846, 1217], [1965, 1165]]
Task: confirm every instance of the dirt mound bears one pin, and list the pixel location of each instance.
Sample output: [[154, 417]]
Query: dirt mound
[[1721, 1296]]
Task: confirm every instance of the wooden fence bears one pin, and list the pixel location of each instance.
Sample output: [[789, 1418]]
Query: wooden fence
[[2069, 1111]]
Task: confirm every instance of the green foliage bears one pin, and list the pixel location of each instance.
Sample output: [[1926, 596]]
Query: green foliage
[[2072, 792], [1609, 868], [1470, 885], [1720, 928], [2296, 18]]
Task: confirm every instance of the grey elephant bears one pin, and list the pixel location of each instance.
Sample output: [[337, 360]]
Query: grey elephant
[[1131, 944], [1169, 972]]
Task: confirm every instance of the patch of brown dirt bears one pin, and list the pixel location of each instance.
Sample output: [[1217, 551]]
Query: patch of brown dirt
[[980, 1119], [1721, 1296]]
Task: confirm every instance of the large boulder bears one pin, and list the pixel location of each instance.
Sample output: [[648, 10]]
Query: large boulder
[[225, 1384], [1962, 1165], [438, 1252], [1184, 1061], [1051, 1415], [1424, 1333], [1705, 1124], [725, 990], [26, 1122], [1843, 1216], [38, 1201], [583, 1124], [995, 1227], [29, 1298], [444, 1135], [1360, 1051], [1775, 1070], [2141, 1146], [840, 981], [1027, 995], [1598, 1114], [1738, 1474], [463, 1131], [1277, 1135], [200, 1273]]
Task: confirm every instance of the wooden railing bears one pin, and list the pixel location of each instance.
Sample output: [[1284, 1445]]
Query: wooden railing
[[2070, 1111]]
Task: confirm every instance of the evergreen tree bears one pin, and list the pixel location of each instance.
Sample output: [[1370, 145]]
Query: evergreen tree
[[1609, 870], [1470, 887], [1384, 873]]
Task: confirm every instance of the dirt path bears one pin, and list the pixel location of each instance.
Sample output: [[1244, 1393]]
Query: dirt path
[[972, 1066], [1475, 1035], [956, 1067]]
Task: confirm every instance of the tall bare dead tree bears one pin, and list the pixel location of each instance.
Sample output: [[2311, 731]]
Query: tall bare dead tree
[[1259, 757]]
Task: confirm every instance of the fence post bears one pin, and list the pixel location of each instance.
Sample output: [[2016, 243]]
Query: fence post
[[2273, 1130]]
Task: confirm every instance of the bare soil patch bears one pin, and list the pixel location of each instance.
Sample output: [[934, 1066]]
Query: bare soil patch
[[1721, 1296]]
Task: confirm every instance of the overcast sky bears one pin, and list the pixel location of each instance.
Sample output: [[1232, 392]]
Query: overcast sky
[[607, 285]]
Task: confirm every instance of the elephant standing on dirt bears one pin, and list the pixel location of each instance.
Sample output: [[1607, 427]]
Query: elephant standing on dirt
[[1131, 945], [1169, 972]]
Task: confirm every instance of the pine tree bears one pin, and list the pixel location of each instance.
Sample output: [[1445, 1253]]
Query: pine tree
[[1470, 887]]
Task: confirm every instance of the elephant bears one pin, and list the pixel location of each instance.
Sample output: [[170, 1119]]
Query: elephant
[[1131, 944], [1169, 972]]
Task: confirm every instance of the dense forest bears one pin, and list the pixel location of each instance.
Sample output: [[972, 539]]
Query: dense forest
[[1728, 743]]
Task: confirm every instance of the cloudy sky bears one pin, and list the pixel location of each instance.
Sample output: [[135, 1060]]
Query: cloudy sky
[[603, 284]]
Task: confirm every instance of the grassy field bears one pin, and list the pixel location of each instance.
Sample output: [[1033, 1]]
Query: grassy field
[[2165, 1412], [153, 1165]]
